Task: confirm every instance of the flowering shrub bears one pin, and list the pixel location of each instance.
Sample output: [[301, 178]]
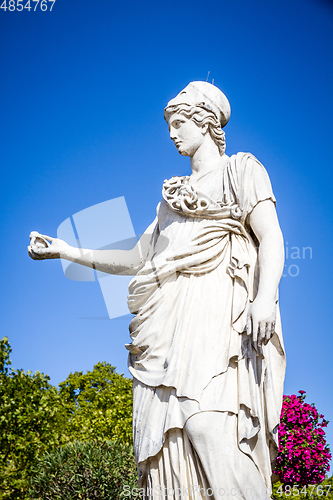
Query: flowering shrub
[[303, 456]]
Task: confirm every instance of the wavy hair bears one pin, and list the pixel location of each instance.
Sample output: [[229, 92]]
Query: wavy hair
[[201, 116]]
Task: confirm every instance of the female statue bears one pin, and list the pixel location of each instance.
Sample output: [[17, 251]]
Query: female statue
[[207, 355]]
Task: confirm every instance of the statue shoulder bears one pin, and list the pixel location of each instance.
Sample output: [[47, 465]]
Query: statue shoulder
[[244, 158], [247, 165], [253, 181]]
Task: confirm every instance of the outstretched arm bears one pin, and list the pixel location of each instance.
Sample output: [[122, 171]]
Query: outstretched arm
[[261, 317], [124, 262]]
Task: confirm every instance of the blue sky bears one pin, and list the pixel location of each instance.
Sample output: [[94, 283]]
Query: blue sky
[[82, 95]]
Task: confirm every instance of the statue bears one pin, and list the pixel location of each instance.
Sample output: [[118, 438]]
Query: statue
[[207, 355]]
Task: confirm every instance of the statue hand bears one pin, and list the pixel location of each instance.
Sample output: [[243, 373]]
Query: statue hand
[[44, 247], [261, 320]]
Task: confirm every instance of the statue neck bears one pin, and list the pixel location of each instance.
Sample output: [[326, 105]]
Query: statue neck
[[206, 157]]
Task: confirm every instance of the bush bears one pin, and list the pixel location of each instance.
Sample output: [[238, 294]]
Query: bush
[[32, 418], [94, 470], [304, 456]]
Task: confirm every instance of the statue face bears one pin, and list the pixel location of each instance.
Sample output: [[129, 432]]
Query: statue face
[[186, 135]]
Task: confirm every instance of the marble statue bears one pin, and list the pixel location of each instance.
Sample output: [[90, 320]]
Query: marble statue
[[207, 354]]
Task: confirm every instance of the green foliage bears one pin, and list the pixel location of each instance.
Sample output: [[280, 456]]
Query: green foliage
[[5, 351], [320, 491], [36, 418], [32, 419], [93, 470], [100, 404]]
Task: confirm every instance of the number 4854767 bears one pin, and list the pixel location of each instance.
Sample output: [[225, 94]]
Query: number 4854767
[[309, 491], [29, 5]]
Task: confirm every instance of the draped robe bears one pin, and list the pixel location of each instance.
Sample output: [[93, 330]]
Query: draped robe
[[189, 351]]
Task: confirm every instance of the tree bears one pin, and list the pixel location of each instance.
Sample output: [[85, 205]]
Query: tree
[[32, 420], [100, 404], [36, 418]]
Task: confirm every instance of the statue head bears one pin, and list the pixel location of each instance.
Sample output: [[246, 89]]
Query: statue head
[[204, 104]]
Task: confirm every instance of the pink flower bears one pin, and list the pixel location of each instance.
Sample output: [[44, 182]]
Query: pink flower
[[303, 456]]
